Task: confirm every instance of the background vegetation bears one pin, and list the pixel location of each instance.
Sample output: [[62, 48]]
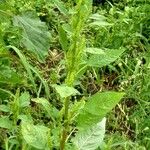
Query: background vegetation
[[64, 65]]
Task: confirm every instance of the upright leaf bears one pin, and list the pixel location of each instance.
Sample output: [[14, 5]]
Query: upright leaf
[[35, 35], [24, 99], [97, 107], [63, 38], [91, 138]]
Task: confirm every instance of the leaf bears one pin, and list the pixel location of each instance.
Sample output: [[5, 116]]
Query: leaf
[[65, 91], [95, 51], [24, 99], [25, 64], [26, 118], [97, 107], [103, 59], [91, 138], [4, 108], [9, 76], [35, 135], [6, 123], [52, 112], [36, 71], [61, 7], [98, 20], [97, 17], [100, 23], [63, 38], [75, 109], [35, 35]]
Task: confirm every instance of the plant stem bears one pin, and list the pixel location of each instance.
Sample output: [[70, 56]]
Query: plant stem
[[66, 125], [73, 59]]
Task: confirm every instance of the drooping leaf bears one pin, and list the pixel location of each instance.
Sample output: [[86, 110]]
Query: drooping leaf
[[6, 123], [103, 59], [52, 112], [35, 35], [25, 64], [65, 91], [61, 7], [35, 135], [91, 138], [97, 107]]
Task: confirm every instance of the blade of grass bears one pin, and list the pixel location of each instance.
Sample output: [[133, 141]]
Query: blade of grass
[[8, 92], [42, 80], [26, 65]]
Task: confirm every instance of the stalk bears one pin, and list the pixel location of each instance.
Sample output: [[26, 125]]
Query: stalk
[[66, 125], [73, 58]]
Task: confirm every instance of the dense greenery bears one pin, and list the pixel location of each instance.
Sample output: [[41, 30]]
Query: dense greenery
[[74, 75]]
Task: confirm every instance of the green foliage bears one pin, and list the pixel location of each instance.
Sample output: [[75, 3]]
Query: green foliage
[[100, 58], [92, 138], [65, 91], [6, 123], [97, 107], [35, 35], [35, 135], [59, 61]]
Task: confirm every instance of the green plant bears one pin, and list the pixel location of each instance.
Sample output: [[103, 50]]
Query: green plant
[[73, 122]]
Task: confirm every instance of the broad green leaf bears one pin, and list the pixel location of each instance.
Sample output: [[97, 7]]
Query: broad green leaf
[[65, 91], [75, 109], [6, 123], [95, 51], [35, 35], [4, 108], [100, 60], [52, 112], [97, 107], [91, 138], [43, 102], [63, 38], [26, 118], [24, 99], [35, 135], [9, 76]]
